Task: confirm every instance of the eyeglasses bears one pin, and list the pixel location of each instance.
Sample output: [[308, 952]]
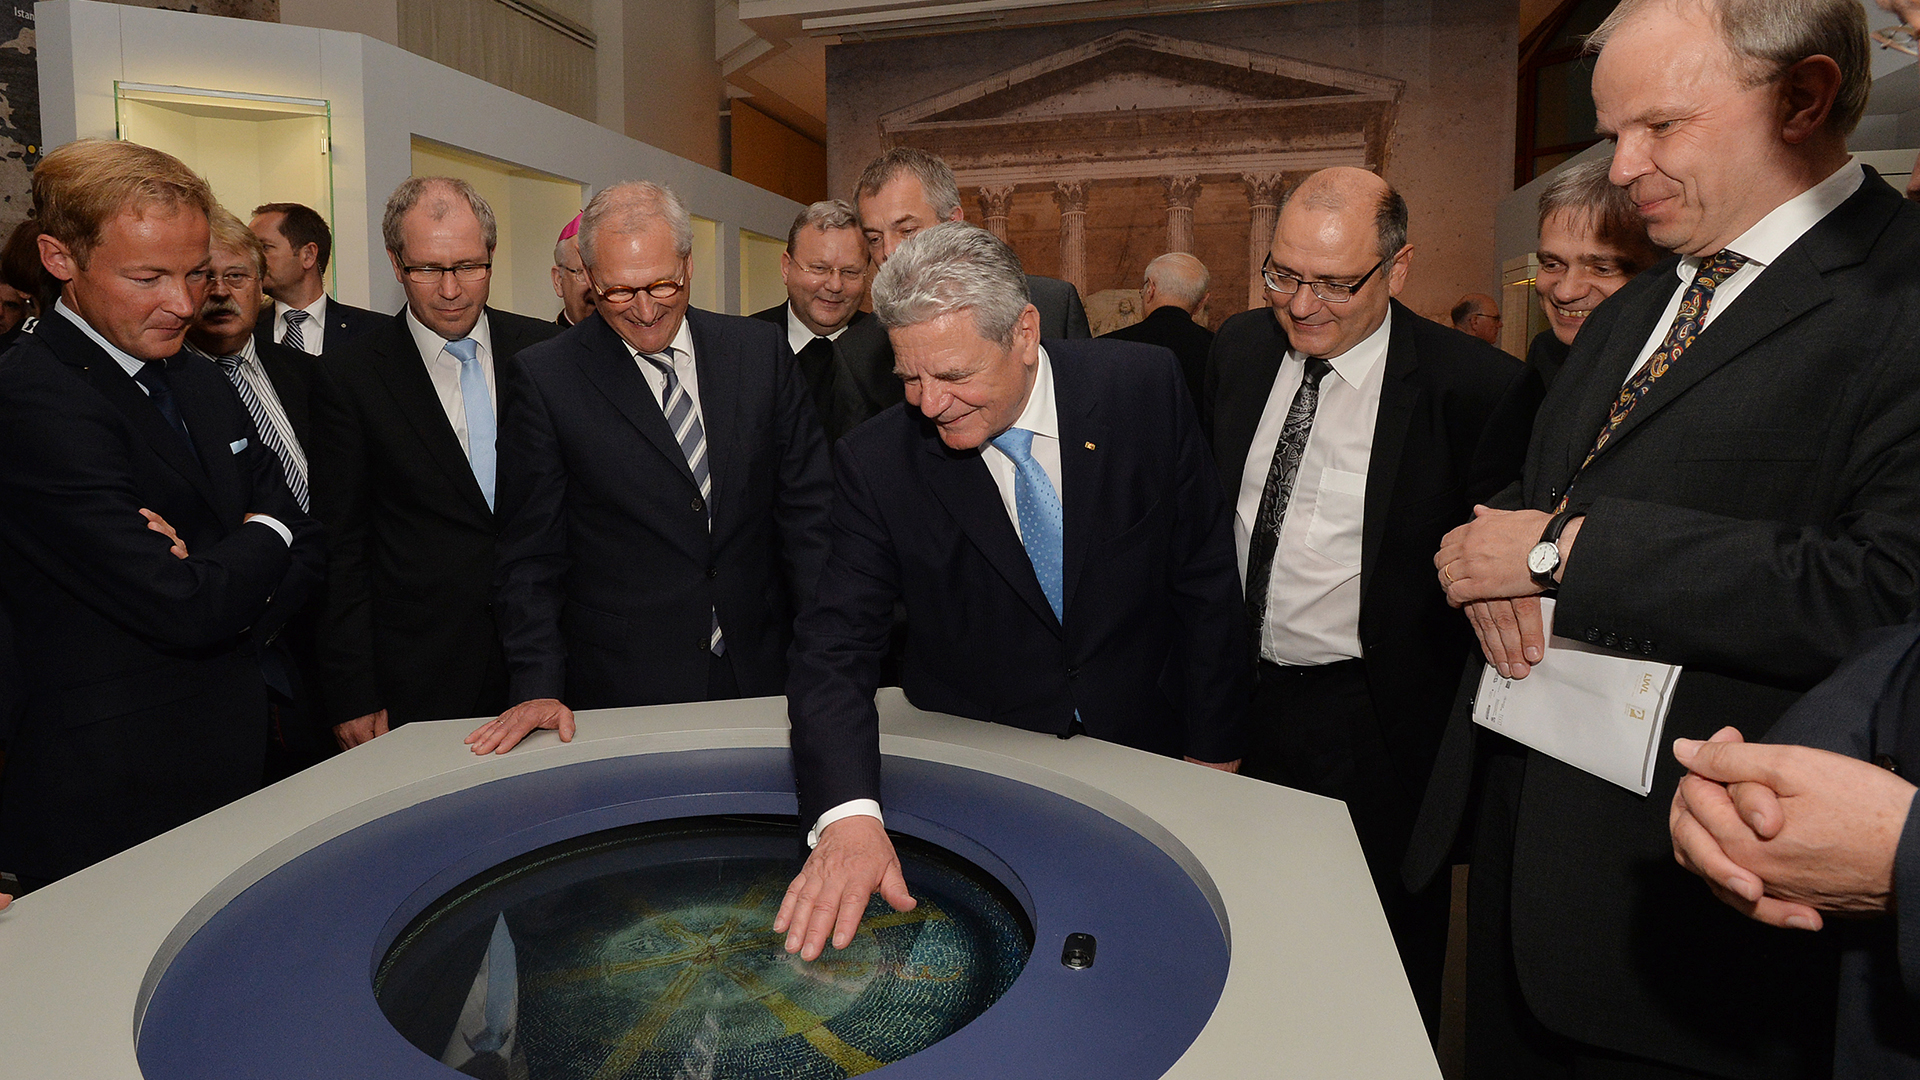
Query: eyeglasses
[[664, 289], [576, 271], [234, 280], [846, 273], [431, 275], [1333, 292]]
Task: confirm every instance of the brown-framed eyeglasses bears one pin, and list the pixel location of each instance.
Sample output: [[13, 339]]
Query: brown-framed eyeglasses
[[664, 289]]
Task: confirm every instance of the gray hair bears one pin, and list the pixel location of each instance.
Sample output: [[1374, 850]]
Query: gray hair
[[1179, 277], [1390, 217], [629, 207], [1585, 193], [439, 193], [823, 215], [953, 267], [1769, 36], [936, 178], [560, 249]]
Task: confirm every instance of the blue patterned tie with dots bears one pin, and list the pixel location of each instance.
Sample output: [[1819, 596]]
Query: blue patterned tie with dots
[[1042, 521]]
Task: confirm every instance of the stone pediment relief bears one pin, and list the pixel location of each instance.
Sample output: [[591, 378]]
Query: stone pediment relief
[[1133, 69]]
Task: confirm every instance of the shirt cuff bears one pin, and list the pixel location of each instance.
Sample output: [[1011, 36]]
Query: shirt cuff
[[274, 524], [850, 808]]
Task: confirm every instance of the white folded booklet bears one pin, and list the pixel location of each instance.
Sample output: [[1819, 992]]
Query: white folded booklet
[[1596, 710]]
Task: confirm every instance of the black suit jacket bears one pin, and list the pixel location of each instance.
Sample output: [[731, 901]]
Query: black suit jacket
[[144, 706], [1173, 328], [344, 323], [1061, 313], [609, 570], [1435, 453], [1152, 649], [1757, 513], [408, 625], [864, 384]]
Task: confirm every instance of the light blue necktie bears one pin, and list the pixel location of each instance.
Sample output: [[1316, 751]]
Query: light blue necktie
[[1042, 522], [479, 406]]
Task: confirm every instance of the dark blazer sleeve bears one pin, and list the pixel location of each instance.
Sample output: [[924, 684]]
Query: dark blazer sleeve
[[529, 588], [337, 464], [1207, 595], [1710, 589], [74, 502], [839, 642]]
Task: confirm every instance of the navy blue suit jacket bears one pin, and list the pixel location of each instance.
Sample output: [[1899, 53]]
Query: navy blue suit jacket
[[143, 701], [1152, 652], [609, 572]]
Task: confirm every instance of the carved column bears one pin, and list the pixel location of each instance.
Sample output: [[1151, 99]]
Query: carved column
[[995, 202], [1263, 200], [1180, 191], [1071, 195]]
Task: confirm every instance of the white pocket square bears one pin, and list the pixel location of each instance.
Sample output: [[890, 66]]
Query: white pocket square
[[237, 445]]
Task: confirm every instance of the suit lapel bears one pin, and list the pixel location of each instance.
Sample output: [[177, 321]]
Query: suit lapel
[[404, 374], [1613, 360], [613, 371], [961, 483], [1398, 396], [714, 359], [113, 382], [1239, 412], [1082, 463], [193, 392]]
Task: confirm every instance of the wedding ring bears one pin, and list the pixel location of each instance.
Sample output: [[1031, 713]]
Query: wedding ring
[[1444, 573]]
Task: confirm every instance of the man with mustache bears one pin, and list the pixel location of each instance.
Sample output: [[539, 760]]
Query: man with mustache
[[273, 383], [1726, 477], [404, 466]]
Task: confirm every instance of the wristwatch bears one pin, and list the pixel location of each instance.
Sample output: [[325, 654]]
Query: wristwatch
[[1544, 558]]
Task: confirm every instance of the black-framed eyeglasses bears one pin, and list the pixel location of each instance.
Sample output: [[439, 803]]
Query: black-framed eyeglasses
[[1333, 292], [664, 289], [431, 275]]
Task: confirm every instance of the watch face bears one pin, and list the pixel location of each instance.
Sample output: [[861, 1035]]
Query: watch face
[[1544, 557]]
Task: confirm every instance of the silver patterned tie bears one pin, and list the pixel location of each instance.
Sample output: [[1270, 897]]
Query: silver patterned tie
[[294, 338], [684, 421]]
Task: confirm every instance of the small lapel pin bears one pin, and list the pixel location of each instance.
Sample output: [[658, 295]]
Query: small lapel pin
[[1089, 446]]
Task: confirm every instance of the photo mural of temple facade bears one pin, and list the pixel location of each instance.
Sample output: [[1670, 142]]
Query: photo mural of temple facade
[[1096, 159], [1094, 147]]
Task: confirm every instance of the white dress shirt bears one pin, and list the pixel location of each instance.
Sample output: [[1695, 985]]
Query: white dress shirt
[[684, 369], [1313, 594], [1762, 245], [132, 366], [799, 337], [1042, 417], [313, 332], [444, 369]]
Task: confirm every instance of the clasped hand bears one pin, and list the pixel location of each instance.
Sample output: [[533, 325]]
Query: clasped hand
[[1482, 566], [1784, 833]]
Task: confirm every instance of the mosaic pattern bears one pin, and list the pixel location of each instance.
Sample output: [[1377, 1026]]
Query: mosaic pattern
[[649, 955]]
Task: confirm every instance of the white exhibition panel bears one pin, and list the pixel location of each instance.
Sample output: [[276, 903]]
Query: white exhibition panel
[[381, 98], [1314, 986]]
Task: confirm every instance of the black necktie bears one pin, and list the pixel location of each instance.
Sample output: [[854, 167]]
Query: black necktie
[[153, 376], [1279, 489], [816, 366]]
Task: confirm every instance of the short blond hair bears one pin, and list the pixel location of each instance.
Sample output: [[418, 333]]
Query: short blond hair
[[230, 233], [79, 187]]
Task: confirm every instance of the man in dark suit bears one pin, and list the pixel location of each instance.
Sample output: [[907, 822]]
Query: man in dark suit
[[1748, 509], [1048, 514], [273, 383], [302, 316], [664, 492], [1785, 833], [906, 190], [842, 351], [1351, 434], [147, 532], [1175, 292], [404, 464]]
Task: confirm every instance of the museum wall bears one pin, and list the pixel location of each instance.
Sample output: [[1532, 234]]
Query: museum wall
[[1443, 136]]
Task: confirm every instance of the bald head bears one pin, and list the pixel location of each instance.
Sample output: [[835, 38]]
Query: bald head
[[1350, 194], [1478, 314], [1339, 256], [1176, 279]]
